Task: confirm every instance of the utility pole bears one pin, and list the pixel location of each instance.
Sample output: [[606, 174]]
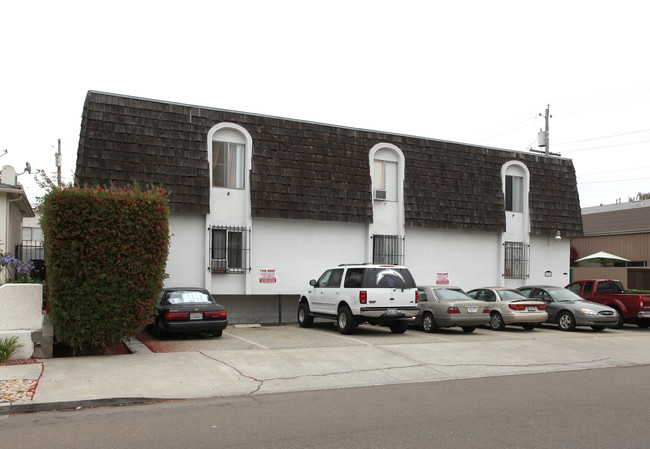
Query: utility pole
[[544, 142], [57, 158]]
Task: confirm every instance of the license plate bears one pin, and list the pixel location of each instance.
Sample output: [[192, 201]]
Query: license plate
[[472, 309], [532, 308], [196, 315]]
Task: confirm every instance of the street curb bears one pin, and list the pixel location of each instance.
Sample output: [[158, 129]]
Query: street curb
[[8, 408]]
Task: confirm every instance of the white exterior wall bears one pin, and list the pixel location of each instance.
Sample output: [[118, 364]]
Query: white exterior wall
[[300, 250], [549, 261], [469, 259], [186, 265]]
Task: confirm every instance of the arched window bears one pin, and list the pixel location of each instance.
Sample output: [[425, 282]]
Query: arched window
[[387, 168], [228, 155], [515, 185]]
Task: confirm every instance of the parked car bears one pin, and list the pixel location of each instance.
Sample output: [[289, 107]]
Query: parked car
[[187, 310], [631, 307], [448, 306], [510, 306], [361, 293], [568, 310]]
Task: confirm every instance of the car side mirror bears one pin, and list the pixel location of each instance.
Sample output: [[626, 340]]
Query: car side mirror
[[312, 282]]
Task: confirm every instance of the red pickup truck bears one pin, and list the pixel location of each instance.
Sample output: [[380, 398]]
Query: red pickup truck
[[631, 307]]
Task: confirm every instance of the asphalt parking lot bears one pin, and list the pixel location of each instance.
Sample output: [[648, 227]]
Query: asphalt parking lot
[[325, 334]]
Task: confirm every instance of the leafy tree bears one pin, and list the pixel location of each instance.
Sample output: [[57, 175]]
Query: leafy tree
[[105, 252], [640, 197]]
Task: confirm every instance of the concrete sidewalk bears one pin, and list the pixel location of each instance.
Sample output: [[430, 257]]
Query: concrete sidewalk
[[287, 358]]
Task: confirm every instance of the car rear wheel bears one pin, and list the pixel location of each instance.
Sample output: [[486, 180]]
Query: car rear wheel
[[428, 323], [218, 333], [496, 321], [529, 326], [345, 321], [304, 317], [598, 328], [468, 329], [566, 322], [157, 329], [398, 327], [643, 323]]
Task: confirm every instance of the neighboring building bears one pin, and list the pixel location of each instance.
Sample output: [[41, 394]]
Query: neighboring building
[[31, 248], [14, 206], [260, 205], [622, 229]]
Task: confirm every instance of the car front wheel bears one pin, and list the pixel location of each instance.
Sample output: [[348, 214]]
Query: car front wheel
[[468, 329], [566, 322], [345, 321], [620, 320], [304, 317], [529, 326]]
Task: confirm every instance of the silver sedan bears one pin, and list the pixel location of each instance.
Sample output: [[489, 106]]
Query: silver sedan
[[449, 306], [568, 310], [510, 306]]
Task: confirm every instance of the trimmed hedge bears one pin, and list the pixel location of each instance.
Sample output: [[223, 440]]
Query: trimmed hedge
[[105, 253]]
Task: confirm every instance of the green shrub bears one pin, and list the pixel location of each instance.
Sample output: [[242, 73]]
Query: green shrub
[[638, 292], [8, 347], [105, 252]]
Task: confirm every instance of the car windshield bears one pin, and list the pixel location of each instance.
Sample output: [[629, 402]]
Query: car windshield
[[447, 294], [188, 297], [508, 295], [562, 294]]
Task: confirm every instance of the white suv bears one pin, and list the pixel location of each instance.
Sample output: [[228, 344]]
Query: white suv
[[361, 293]]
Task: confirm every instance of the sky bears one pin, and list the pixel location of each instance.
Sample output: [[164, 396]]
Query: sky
[[474, 72]]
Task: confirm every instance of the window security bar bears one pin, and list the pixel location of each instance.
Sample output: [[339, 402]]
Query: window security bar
[[229, 249], [388, 249], [516, 260]]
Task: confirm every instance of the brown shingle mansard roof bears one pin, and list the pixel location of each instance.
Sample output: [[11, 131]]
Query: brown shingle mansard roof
[[304, 170]]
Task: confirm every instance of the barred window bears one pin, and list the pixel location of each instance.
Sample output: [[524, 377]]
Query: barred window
[[517, 260], [387, 249], [229, 249]]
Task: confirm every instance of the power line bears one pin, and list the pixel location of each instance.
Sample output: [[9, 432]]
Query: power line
[[606, 146], [614, 180], [604, 137], [614, 171]]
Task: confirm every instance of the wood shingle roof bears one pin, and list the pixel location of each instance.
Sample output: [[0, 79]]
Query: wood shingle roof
[[305, 170]]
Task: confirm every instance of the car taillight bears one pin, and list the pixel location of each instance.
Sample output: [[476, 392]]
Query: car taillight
[[453, 310], [170, 316], [541, 306], [517, 306], [486, 310], [417, 296], [363, 297], [216, 314], [640, 302]]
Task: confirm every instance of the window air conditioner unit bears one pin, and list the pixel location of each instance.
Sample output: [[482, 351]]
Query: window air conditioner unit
[[380, 195], [218, 265]]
